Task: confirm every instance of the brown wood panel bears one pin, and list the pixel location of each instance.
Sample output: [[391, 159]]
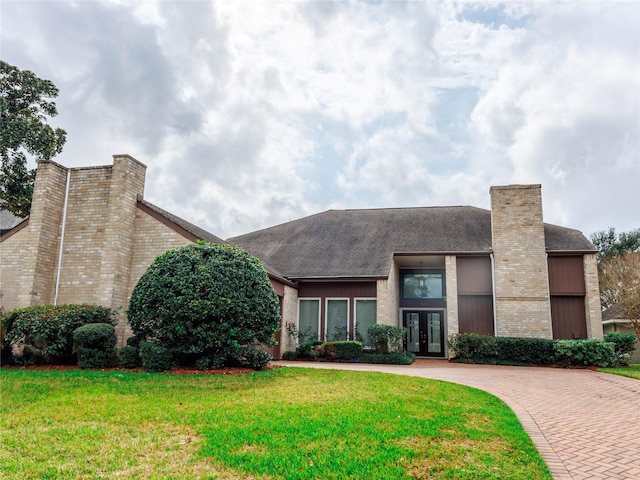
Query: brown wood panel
[[566, 275], [474, 275], [475, 314], [337, 289], [568, 317]]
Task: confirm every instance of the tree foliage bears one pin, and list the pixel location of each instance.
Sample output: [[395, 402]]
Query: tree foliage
[[610, 244], [620, 286], [24, 108], [210, 305]]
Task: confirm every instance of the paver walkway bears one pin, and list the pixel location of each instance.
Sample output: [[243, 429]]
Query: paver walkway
[[585, 424]]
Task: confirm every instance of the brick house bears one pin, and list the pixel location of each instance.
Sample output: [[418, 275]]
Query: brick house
[[435, 270]]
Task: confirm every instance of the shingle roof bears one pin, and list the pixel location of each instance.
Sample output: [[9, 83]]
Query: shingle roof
[[200, 233], [359, 243], [8, 220]]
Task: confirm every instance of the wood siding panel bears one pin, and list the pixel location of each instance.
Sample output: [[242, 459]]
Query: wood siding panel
[[568, 317], [474, 275], [566, 275], [475, 314], [337, 290]]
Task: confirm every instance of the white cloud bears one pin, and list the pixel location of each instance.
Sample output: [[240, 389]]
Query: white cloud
[[254, 113]]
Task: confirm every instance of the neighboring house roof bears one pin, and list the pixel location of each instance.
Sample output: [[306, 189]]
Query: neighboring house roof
[[361, 243], [614, 314]]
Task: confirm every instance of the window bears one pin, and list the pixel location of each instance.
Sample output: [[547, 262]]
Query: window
[[337, 319], [308, 319], [422, 285], [365, 317]]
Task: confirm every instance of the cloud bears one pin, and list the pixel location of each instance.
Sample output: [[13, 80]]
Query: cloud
[[250, 114]]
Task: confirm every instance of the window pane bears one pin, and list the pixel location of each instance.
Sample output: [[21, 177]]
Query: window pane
[[308, 317], [365, 317], [337, 319], [422, 285]]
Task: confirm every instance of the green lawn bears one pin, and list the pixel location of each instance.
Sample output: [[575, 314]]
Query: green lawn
[[632, 371], [288, 423]]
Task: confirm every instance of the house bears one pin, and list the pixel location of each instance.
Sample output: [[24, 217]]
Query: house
[[435, 270]]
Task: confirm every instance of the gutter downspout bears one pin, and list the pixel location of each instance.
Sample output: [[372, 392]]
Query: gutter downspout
[[64, 223], [493, 288]]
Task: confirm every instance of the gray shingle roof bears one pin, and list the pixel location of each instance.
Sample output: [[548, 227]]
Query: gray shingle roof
[[356, 243], [8, 220]]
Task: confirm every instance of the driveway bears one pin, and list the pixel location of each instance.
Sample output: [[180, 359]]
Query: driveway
[[585, 424]]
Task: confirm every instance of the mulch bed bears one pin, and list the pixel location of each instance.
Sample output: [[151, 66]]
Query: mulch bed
[[174, 371]]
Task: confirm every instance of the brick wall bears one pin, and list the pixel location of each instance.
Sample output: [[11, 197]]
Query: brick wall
[[387, 298], [451, 276], [520, 262], [12, 252], [593, 309], [289, 315]]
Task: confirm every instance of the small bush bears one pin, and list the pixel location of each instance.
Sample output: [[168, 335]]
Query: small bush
[[95, 345], [253, 356], [43, 334], [155, 358], [386, 338], [290, 356], [134, 341], [524, 351], [129, 357], [343, 350], [307, 349], [584, 353], [624, 345], [395, 358]]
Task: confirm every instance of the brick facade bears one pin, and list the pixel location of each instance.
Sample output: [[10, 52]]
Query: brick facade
[[522, 306]]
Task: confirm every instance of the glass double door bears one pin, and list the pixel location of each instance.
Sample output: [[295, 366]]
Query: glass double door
[[425, 332]]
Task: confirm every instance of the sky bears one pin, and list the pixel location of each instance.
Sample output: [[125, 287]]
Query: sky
[[250, 114]]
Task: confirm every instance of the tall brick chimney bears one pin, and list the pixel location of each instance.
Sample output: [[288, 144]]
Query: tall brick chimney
[[520, 262]]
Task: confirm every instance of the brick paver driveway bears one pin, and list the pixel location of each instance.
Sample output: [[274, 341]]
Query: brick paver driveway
[[585, 424]]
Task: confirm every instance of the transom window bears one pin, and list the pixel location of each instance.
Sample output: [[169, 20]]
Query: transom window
[[428, 285]]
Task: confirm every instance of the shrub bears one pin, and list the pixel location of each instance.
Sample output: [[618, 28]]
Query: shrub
[[290, 356], [155, 358], [395, 358], [205, 302], [43, 334], [253, 356], [134, 341], [624, 342], [343, 350], [386, 338], [308, 349], [524, 351], [470, 346], [129, 357], [95, 345], [584, 353]]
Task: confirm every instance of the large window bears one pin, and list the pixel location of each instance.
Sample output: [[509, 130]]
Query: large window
[[337, 319], [365, 317], [422, 286], [308, 319]]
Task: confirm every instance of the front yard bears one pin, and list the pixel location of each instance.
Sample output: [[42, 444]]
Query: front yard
[[286, 423], [632, 371]]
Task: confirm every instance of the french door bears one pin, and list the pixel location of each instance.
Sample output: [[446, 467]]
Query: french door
[[425, 332]]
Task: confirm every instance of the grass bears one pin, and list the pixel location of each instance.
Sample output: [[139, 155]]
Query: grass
[[632, 371], [287, 423]]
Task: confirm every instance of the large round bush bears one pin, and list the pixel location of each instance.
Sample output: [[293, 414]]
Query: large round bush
[[206, 303]]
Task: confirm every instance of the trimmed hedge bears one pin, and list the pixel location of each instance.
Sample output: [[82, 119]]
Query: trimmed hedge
[[343, 349], [155, 358], [394, 358], [474, 348], [43, 334], [129, 357], [95, 345]]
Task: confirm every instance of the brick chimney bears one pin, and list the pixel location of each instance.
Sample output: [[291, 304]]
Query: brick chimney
[[520, 262]]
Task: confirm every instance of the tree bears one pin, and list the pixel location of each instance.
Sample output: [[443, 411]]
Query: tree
[[620, 286], [24, 108], [609, 244], [210, 305]]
